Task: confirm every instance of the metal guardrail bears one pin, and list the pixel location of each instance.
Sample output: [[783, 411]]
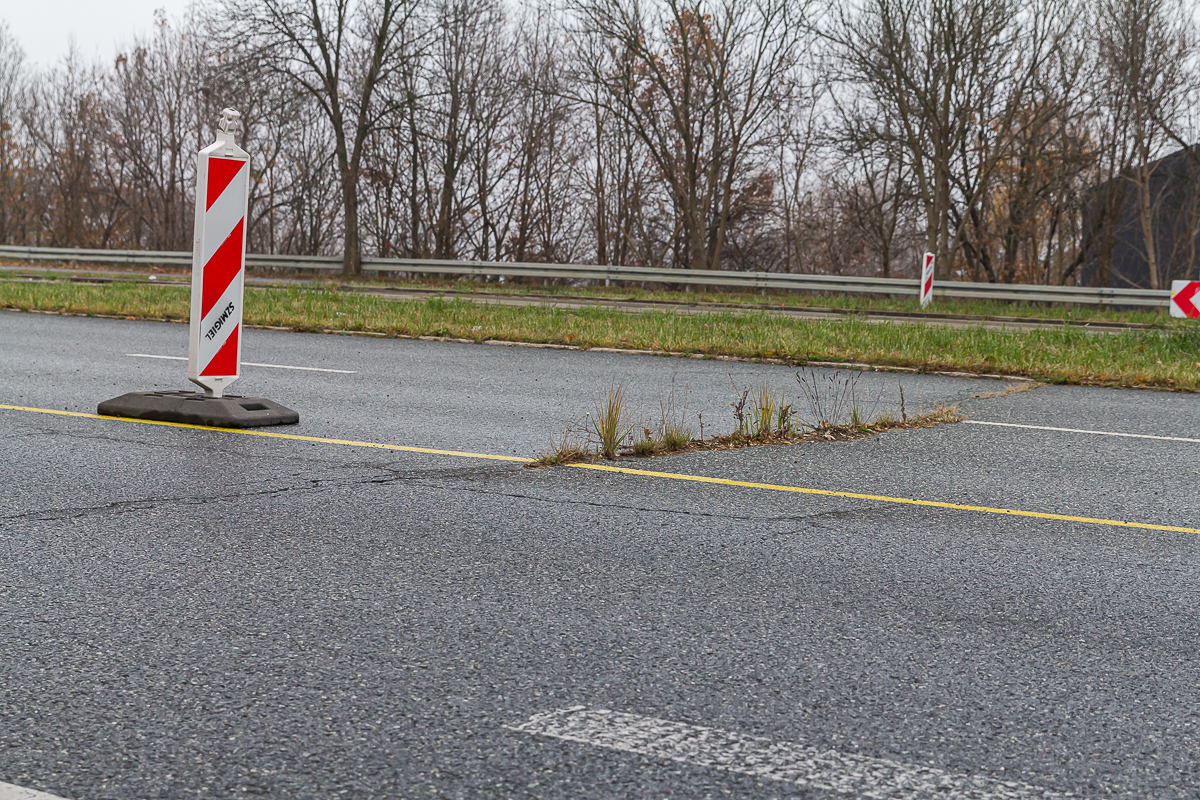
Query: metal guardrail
[[1083, 295]]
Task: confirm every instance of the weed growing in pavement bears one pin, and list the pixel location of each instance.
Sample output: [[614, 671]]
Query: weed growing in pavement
[[610, 420], [830, 397], [786, 423], [571, 447], [646, 446], [676, 437], [857, 419], [843, 432], [673, 431], [762, 412], [770, 414], [764, 417], [739, 409]]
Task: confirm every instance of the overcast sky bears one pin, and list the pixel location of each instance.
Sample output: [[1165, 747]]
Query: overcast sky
[[44, 27]]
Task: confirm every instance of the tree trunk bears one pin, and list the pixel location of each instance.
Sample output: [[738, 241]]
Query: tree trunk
[[1146, 218], [352, 255]]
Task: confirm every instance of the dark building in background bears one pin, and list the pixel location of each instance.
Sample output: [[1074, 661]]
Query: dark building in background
[[1116, 248]]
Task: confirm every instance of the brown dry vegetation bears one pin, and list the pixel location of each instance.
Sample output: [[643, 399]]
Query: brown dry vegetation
[[576, 453]]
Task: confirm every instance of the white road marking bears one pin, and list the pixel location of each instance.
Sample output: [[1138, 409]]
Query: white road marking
[[811, 767], [10, 791], [1080, 430], [250, 364]]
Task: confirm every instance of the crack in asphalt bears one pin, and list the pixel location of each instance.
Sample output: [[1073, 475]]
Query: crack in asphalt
[[408, 477], [144, 504], [808, 518], [392, 476], [313, 484]]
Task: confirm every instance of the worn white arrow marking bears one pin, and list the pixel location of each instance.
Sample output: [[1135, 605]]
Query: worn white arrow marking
[[829, 771], [9, 791]]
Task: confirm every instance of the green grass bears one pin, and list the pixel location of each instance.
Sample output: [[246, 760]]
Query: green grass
[[1166, 358], [846, 302]]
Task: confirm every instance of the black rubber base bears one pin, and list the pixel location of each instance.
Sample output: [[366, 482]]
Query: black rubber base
[[194, 408]]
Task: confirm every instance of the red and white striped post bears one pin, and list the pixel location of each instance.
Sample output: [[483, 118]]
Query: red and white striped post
[[927, 280], [218, 278], [218, 261]]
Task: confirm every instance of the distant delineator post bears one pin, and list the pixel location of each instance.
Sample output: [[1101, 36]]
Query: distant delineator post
[[927, 280], [218, 282]]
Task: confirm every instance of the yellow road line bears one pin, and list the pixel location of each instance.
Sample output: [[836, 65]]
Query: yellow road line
[[272, 434], [675, 476]]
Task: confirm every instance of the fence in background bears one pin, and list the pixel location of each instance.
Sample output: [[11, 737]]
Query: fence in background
[[847, 284]]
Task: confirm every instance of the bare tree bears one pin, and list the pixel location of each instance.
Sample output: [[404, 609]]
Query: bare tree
[[468, 67], [1013, 210], [13, 204], [1147, 50], [156, 115], [64, 120], [341, 53], [946, 80], [872, 180], [548, 143], [698, 83]]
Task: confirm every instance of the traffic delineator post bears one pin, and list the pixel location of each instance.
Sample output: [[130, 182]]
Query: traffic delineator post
[[219, 261], [1185, 299], [927, 280], [218, 288]]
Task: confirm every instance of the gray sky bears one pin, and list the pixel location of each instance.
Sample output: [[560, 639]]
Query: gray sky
[[44, 27]]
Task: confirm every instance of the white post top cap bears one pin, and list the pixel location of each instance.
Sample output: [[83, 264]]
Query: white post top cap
[[229, 119]]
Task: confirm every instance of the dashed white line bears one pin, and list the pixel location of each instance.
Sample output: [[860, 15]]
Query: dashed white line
[[1080, 430], [250, 364], [9, 791], [830, 771]]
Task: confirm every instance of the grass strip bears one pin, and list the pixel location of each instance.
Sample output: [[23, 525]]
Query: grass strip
[[854, 303], [1162, 358], [713, 296]]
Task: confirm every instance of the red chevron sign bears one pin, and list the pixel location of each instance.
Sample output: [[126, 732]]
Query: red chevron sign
[[1183, 299], [218, 263]]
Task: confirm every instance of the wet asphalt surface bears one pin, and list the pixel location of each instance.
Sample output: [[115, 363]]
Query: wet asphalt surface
[[194, 614]]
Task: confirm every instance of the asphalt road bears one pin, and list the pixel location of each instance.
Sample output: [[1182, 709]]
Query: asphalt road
[[196, 614]]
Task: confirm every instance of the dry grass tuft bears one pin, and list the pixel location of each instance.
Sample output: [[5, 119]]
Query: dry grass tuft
[[566, 450], [942, 415], [610, 420]]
